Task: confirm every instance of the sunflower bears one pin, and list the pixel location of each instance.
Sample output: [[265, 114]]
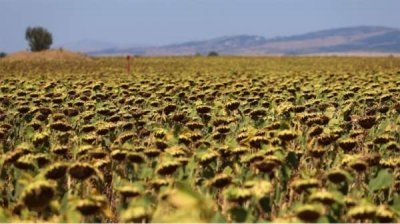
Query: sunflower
[[136, 215], [237, 195], [337, 176], [168, 168], [301, 185], [56, 171], [309, 212], [81, 171], [362, 212], [36, 196], [220, 180]]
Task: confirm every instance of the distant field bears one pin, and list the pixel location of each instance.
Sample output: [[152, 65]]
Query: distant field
[[109, 67], [200, 139]]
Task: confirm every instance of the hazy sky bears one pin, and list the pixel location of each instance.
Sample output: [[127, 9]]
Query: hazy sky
[[155, 22]]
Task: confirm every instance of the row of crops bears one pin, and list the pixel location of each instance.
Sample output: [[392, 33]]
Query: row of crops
[[201, 140]]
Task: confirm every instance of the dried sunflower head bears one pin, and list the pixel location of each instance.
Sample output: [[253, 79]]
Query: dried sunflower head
[[347, 144], [362, 212], [326, 138], [203, 109], [36, 196], [136, 215], [169, 108], [317, 152], [194, 125], [25, 162], [324, 197], [158, 183], [129, 191], [14, 155], [88, 206], [56, 171], [98, 153], [232, 105], [184, 139], [168, 167], [124, 137], [60, 150], [337, 176], [367, 122], [161, 133], [223, 129], [258, 113], [81, 171], [309, 212], [60, 126], [385, 215], [220, 180], [118, 154], [287, 135], [237, 195], [258, 141], [301, 185], [40, 138], [393, 146], [161, 145], [136, 157], [208, 157], [359, 165], [268, 164], [259, 188], [315, 131], [152, 152]]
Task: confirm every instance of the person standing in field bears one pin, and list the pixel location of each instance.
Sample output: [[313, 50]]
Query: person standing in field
[[128, 63]]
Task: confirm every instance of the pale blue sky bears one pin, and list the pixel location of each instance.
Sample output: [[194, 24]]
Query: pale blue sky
[[156, 22]]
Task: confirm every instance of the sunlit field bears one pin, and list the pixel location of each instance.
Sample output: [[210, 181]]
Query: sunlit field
[[200, 139]]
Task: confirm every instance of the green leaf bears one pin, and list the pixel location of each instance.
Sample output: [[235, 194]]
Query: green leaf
[[383, 180], [218, 218], [227, 170], [396, 203], [29, 132], [4, 217]]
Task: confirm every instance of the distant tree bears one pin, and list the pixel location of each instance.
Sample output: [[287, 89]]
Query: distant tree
[[2, 54], [212, 54], [39, 38], [198, 54]]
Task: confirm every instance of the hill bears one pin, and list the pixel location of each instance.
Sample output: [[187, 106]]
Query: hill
[[48, 55], [352, 40]]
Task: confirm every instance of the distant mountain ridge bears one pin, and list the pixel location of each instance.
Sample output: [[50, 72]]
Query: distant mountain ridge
[[361, 39]]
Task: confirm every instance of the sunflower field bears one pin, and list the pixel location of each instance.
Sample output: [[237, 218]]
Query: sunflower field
[[196, 139]]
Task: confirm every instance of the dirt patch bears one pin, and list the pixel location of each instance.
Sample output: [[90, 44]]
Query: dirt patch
[[48, 55]]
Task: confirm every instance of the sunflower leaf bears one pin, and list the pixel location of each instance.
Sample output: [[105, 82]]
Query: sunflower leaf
[[383, 180]]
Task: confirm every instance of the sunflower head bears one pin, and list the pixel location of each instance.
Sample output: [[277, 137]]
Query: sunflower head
[[237, 195], [220, 180], [301, 185], [81, 171], [309, 212], [362, 212], [287, 135], [36, 196], [136, 215], [56, 171], [168, 168], [337, 176]]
